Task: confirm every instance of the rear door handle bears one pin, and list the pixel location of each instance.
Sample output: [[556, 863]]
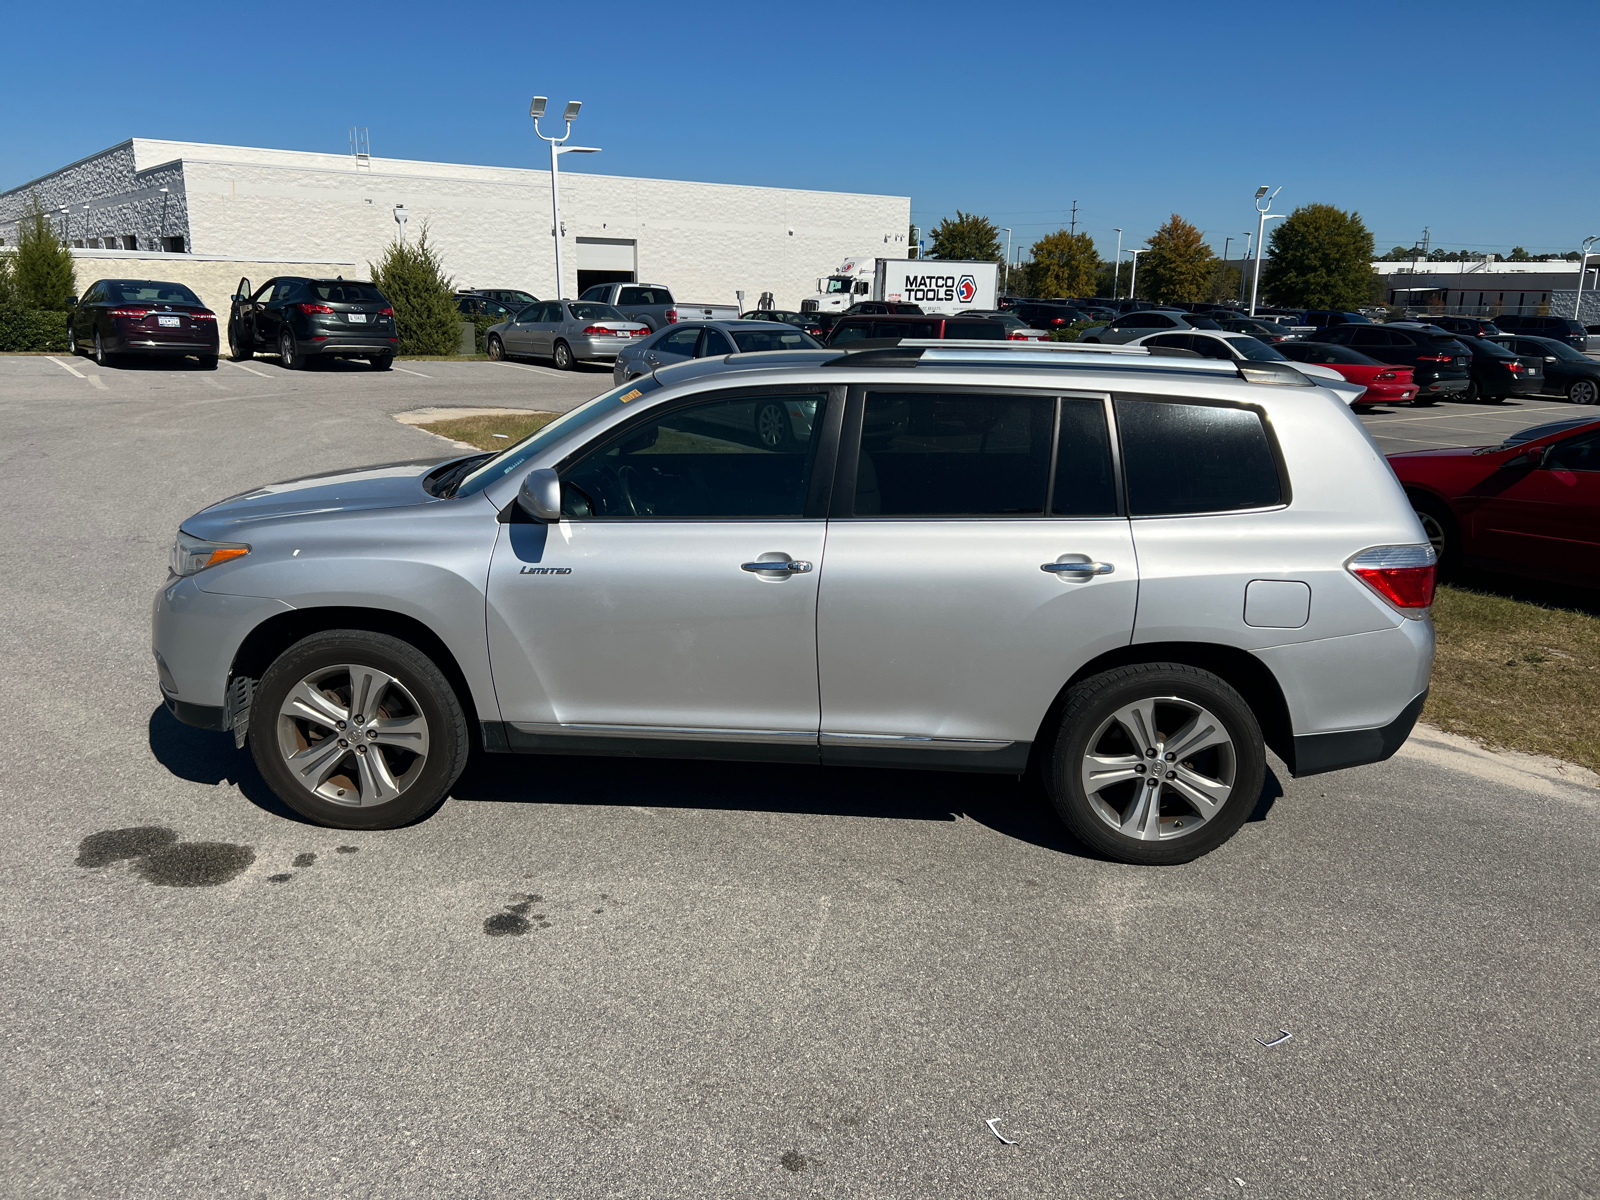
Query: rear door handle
[[1078, 568], [790, 567]]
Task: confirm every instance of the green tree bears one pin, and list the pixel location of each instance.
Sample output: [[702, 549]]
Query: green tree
[[41, 274], [1518, 254], [412, 279], [967, 237], [1064, 264], [1224, 284], [1321, 257], [1178, 264]]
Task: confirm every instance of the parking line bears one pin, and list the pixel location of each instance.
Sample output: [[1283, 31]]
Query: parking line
[[520, 367], [252, 370], [418, 374], [67, 367], [96, 381]]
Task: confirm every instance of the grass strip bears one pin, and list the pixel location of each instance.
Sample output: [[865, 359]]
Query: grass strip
[[1517, 675], [479, 431]]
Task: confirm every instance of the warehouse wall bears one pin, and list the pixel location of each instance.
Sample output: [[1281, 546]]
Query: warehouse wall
[[212, 279]]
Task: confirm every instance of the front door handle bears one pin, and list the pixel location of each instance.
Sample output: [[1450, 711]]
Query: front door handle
[[1078, 568], [787, 566]]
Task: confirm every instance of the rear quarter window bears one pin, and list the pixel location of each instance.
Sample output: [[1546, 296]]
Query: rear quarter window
[[1184, 457]]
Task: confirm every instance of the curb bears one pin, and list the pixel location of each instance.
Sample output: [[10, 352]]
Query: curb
[[1514, 768]]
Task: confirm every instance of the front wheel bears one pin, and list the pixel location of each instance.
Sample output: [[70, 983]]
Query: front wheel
[[1583, 391], [72, 342], [237, 350], [563, 357], [1439, 524], [1155, 764], [357, 730]]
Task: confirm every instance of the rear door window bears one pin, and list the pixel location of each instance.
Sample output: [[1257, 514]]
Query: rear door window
[[932, 454], [1085, 484], [986, 330], [680, 342], [850, 331], [1182, 458]]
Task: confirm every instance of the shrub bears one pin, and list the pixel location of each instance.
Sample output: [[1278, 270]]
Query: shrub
[[412, 279], [41, 274], [32, 329]]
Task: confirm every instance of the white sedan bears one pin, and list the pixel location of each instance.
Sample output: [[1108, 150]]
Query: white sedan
[[1242, 347]]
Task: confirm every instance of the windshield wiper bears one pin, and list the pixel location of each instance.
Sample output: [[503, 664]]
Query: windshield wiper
[[444, 485]]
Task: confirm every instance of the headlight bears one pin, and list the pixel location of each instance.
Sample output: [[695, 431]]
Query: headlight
[[191, 554]]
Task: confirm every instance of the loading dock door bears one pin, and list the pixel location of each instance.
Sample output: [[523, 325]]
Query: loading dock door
[[606, 260]]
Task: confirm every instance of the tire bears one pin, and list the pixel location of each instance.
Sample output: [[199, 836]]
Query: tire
[[1104, 713], [1424, 400], [101, 356], [237, 351], [495, 348], [1583, 391], [382, 362], [1472, 395], [303, 703], [1444, 532], [772, 425], [72, 342], [289, 353], [208, 362], [562, 357]]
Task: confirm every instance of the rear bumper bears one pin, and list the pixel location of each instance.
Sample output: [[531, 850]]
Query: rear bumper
[[596, 349], [1319, 752], [138, 345], [1440, 387], [345, 345]]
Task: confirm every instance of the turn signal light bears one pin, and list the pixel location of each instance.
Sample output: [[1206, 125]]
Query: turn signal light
[[1402, 575], [313, 309]]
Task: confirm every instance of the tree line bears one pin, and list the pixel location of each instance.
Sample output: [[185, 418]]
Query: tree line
[[1319, 257]]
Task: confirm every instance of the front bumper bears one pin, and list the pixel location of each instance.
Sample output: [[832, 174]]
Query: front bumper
[[195, 636]]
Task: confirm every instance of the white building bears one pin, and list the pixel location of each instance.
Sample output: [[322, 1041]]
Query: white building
[[203, 209]]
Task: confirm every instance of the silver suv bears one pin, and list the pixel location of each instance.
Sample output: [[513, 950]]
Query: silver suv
[[1130, 573]]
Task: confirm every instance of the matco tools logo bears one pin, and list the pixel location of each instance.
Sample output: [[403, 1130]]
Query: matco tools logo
[[966, 289]]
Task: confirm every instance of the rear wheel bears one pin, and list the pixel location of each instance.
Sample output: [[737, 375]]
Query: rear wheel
[[289, 352], [237, 350], [101, 355], [382, 362], [772, 425], [208, 362], [1156, 763], [357, 730], [1425, 400], [1472, 395], [1583, 391], [563, 357], [495, 348], [1439, 523]]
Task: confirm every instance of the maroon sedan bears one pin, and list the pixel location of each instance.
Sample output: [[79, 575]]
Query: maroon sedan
[[116, 317], [1529, 506]]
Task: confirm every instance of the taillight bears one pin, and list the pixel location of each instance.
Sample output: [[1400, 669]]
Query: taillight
[[202, 316], [1384, 377], [1402, 575], [600, 331], [1017, 337], [672, 316], [1433, 358], [1515, 366], [313, 309], [637, 332], [135, 314], [386, 312]]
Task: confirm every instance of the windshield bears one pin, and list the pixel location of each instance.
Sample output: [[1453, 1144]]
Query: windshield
[[837, 284], [749, 340], [1255, 351], [595, 312], [140, 291], [512, 457]]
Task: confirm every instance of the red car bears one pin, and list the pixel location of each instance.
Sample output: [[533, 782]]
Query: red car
[[1386, 383], [1529, 506]]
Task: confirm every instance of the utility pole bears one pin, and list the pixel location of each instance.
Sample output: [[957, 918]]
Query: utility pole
[[1074, 230]]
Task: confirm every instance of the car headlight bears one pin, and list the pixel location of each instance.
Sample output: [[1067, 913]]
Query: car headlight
[[191, 555]]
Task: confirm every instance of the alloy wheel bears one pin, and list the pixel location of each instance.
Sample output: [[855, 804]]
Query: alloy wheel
[[1159, 768], [1434, 531], [352, 735], [772, 425], [99, 350], [286, 349], [72, 342], [1583, 391]]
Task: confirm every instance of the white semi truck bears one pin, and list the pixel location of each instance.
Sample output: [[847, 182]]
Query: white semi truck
[[936, 285]]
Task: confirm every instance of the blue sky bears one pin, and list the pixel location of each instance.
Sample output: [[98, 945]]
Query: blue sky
[[1476, 120]]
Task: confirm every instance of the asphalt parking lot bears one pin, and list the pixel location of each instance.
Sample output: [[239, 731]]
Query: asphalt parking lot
[[590, 977]]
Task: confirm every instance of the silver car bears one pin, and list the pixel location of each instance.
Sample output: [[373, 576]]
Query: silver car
[[1236, 347], [707, 339], [1133, 574], [1130, 326], [564, 331]]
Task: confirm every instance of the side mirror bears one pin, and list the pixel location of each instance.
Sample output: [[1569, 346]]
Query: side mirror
[[1531, 460], [540, 496], [72, 302]]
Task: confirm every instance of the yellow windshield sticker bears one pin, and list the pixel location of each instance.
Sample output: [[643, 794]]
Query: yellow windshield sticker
[[633, 395]]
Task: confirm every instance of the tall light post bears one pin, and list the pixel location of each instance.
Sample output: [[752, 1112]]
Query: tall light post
[[1133, 278], [1583, 269], [1261, 226], [401, 216], [1116, 269], [536, 110], [1007, 284], [66, 225]]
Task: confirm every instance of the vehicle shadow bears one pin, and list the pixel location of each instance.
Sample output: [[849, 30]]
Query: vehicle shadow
[[154, 362], [1531, 591], [204, 756], [1016, 808]]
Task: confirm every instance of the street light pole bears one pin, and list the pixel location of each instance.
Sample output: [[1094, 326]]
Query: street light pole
[[536, 110], [1261, 227], [1116, 269], [1583, 269], [400, 218], [1007, 284], [1133, 279]]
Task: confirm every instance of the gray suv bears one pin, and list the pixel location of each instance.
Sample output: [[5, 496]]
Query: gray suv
[[1131, 574]]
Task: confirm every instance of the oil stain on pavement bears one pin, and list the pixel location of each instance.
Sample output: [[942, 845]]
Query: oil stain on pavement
[[163, 860], [515, 920]]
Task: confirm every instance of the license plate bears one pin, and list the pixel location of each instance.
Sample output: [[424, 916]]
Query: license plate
[[167, 322], [358, 318]]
